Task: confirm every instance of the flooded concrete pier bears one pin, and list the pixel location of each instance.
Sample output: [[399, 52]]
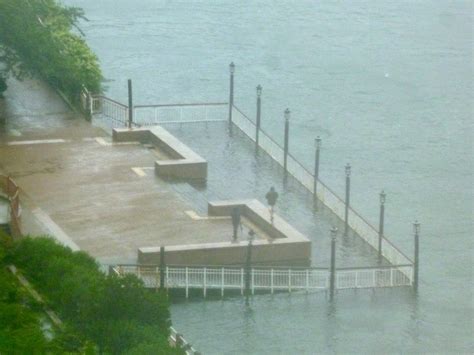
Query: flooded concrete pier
[[92, 193]]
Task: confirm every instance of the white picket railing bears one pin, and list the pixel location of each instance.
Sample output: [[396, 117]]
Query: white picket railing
[[269, 279], [149, 115], [145, 115], [357, 223]]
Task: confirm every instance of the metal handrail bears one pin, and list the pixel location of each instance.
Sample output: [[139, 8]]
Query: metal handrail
[[182, 105], [324, 185]]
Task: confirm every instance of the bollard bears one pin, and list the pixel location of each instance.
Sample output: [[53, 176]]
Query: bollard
[[162, 268], [179, 340], [381, 221], [332, 271], [231, 91], [259, 107], [416, 229], [317, 141], [348, 192], [130, 104], [287, 133]]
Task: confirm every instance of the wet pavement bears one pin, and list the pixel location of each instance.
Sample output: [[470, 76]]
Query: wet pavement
[[91, 194], [104, 198]]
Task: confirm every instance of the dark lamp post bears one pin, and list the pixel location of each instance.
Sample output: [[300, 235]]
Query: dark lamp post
[[381, 222], [348, 169], [332, 270], [416, 230], [416, 227], [287, 137], [348, 192], [259, 111], [248, 267], [231, 93], [317, 142]]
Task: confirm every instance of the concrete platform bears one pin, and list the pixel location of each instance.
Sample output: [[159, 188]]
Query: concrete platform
[[284, 245], [183, 162], [97, 195]]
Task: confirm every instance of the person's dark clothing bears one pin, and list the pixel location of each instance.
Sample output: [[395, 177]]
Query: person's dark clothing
[[235, 221]]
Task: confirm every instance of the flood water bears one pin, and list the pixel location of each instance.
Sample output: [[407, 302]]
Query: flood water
[[388, 86]]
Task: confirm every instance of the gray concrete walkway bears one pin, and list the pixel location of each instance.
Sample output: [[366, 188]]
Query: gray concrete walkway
[[100, 197]]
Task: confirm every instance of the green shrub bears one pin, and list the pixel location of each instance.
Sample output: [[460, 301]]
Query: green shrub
[[116, 313], [3, 85]]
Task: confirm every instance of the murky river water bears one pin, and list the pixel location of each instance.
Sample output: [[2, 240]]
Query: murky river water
[[388, 86]]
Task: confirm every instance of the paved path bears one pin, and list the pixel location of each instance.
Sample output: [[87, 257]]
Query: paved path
[[100, 197]]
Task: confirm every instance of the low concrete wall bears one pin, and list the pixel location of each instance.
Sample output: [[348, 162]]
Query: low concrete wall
[[288, 247], [185, 162]]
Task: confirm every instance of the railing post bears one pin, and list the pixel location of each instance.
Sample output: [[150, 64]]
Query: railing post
[[316, 166], [248, 266], [416, 229], [130, 104], [242, 281], [91, 104], [205, 282], [252, 284], [287, 134], [332, 280], [179, 340], [231, 91], [222, 283], [348, 192], [259, 107], [307, 280], [162, 268], [187, 282], [381, 222], [289, 280], [271, 281]]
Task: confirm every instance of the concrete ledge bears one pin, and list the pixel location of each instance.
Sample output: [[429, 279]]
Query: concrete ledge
[[288, 247], [184, 163]]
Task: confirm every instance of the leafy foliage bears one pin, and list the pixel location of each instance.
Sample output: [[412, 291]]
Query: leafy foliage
[[36, 38], [20, 330], [3, 85], [117, 313]]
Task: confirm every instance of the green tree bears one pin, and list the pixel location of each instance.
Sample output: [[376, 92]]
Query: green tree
[[37, 39], [116, 313]]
